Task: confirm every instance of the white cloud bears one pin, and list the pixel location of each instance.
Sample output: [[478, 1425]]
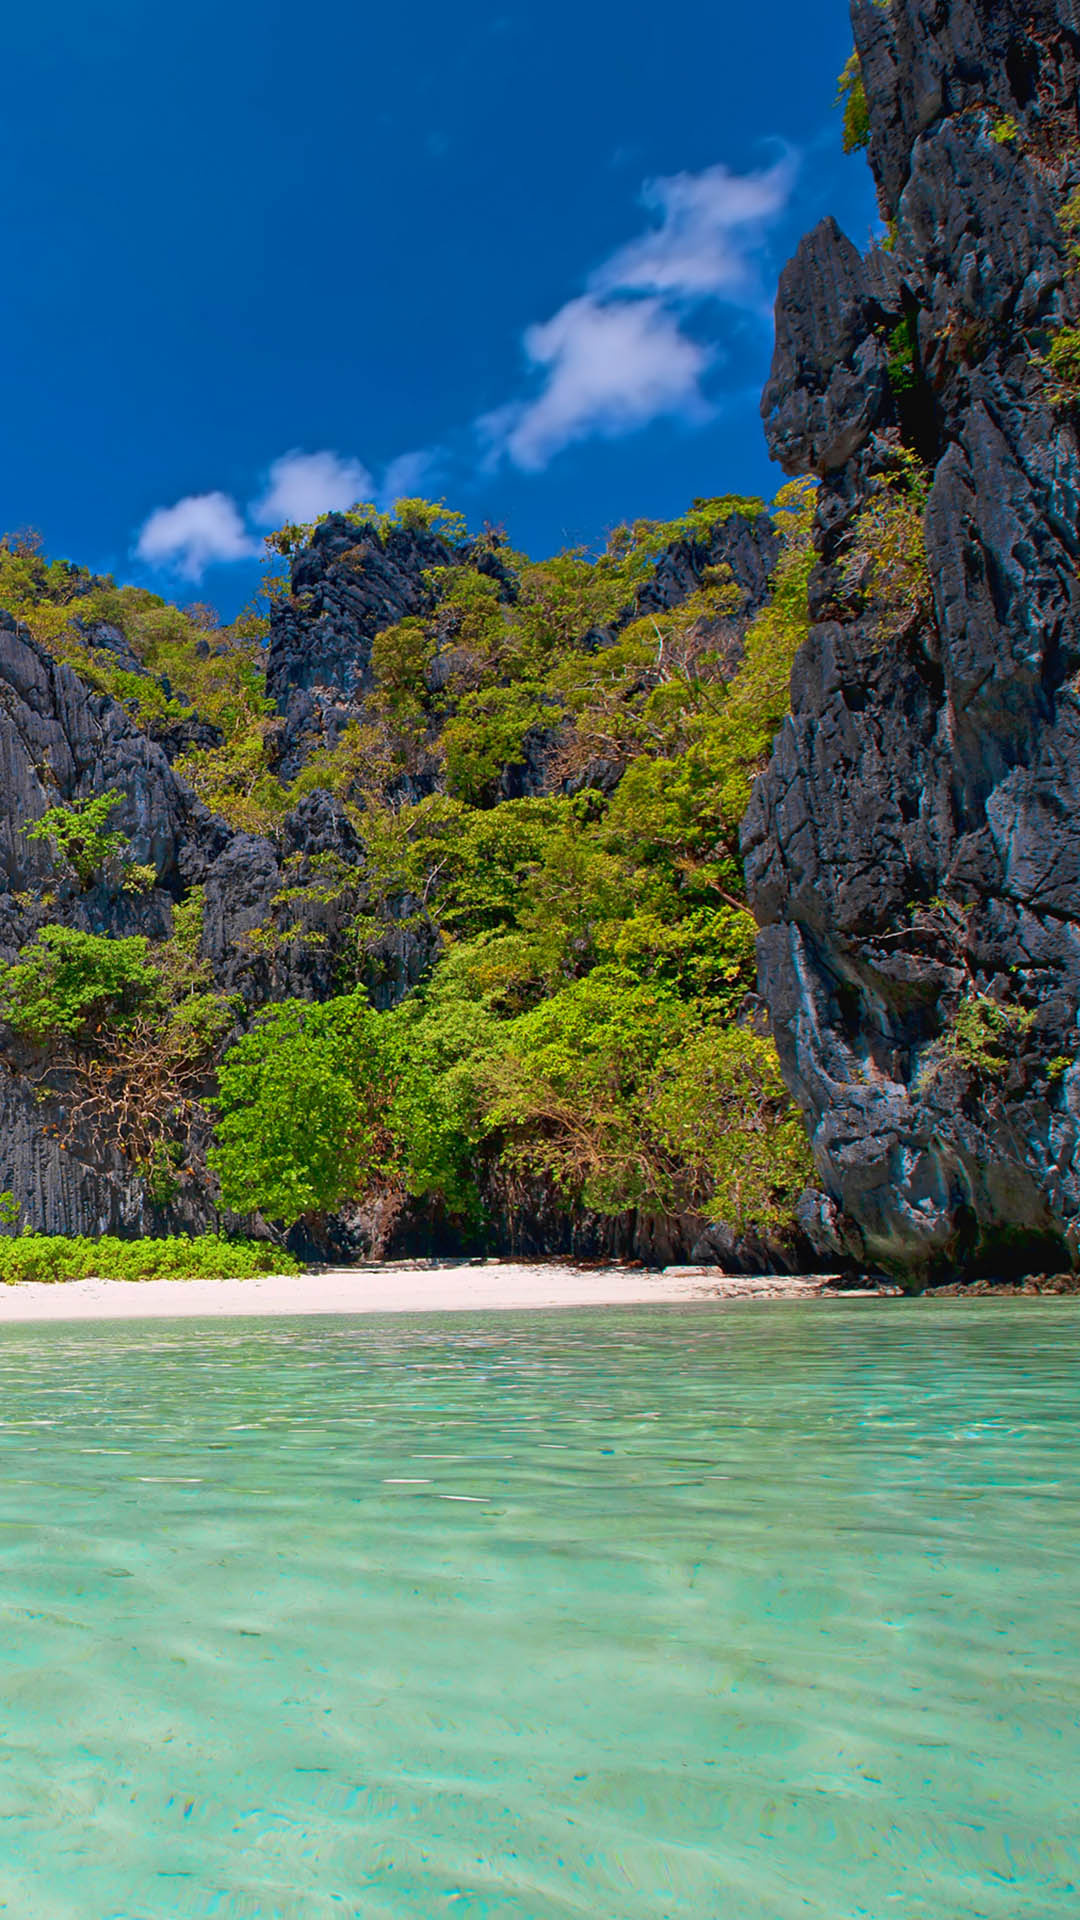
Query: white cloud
[[606, 364], [303, 485], [619, 355], [209, 527], [403, 476], [712, 224], [610, 367], [194, 534]]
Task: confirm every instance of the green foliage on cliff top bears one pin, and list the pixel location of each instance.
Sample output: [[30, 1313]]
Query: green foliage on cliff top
[[187, 665]]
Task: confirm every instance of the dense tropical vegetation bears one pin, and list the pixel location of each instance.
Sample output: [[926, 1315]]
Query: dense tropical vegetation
[[581, 1025]]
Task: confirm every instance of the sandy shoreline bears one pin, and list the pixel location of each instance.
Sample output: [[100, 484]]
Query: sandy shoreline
[[443, 1288]]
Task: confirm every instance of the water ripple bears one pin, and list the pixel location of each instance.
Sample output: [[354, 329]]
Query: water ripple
[[758, 1614]]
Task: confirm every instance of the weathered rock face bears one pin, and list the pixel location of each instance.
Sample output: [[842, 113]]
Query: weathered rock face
[[347, 584], [279, 917], [350, 583], [912, 852], [748, 545], [61, 742]]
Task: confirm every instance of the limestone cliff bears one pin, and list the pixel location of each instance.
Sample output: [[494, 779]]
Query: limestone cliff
[[912, 853]]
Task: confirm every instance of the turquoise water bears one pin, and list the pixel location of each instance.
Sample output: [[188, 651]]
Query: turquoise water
[[749, 1614]]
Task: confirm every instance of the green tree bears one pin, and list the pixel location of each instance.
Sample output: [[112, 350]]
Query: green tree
[[622, 1096], [300, 1105]]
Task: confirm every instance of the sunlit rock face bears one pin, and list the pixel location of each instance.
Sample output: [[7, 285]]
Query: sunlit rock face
[[913, 851], [348, 583]]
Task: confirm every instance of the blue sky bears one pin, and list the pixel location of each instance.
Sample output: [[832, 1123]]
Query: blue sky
[[262, 259]]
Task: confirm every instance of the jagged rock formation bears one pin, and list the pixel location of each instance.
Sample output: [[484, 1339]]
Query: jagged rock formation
[[912, 853], [347, 584], [58, 740]]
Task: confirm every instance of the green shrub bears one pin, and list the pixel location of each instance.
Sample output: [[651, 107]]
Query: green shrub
[[981, 1039], [78, 831], [489, 732], [39, 1256], [851, 95], [724, 1119], [66, 982], [1069, 217], [902, 361], [1062, 364], [887, 557], [984, 1032]]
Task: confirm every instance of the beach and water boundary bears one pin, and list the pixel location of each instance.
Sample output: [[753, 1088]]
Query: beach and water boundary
[[413, 1287]]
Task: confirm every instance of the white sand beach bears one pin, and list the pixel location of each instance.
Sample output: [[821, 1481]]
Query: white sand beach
[[442, 1287]]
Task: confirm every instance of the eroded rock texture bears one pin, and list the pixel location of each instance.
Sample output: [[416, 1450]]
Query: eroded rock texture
[[61, 742], [348, 584], [913, 851]]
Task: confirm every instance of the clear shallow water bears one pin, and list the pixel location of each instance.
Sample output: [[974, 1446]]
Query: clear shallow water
[[744, 1615]]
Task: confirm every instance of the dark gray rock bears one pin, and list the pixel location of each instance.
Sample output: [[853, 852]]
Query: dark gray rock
[[829, 383], [63, 1185], [747, 544], [347, 584], [61, 742], [176, 737], [103, 637], [913, 843], [923, 60]]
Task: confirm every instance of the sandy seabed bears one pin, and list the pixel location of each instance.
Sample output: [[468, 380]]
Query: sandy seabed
[[441, 1287]]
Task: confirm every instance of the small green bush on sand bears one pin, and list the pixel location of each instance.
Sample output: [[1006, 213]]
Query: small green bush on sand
[[52, 1257]]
